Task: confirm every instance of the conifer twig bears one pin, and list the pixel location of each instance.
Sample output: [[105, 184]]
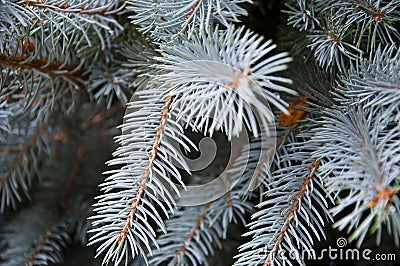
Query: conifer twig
[[77, 9], [53, 69], [291, 214], [192, 234], [142, 187]]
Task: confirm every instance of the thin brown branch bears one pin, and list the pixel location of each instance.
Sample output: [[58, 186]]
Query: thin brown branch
[[101, 116], [377, 14], [54, 68], [268, 156], [8, 152], [295, 207], [42, 242], [194, 231], [80, 152], [126, 227], [65, 8], [71, 180], [228, 199], [314, 20], [10, 99], [21, 153], [290, 121]]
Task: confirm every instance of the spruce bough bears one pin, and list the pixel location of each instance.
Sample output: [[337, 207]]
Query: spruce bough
[[136, 84]]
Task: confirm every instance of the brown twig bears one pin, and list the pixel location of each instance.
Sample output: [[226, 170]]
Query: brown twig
[[80, 152], [54, 68], [21, 153], [295, 207], [42, 242], [316, 22], [71, 178], [295, 114], [65, 8], [142, 186], [101, 116], [194, 231]]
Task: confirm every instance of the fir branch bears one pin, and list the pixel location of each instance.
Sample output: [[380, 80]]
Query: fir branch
[[259, 157], [141, 190], [302, 15], [139, 60], [290, 216], [165, 20], [52, 69], [339, 30], [193, 232], [372, 21], [20, 165], [5, 127], [49, 247], [52, 219], [74, 8], [229, 82], [361, 160], [47, 18], [35, 248], [331, 47], [33, 88], [189, 239], [375, 83], [122, 68], [294, 201], [48, 221], [43, 137], [148, 172], [19, 172]]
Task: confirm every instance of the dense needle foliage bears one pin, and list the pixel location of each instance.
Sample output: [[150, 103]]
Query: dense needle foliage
[[154, 132]]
